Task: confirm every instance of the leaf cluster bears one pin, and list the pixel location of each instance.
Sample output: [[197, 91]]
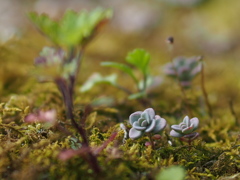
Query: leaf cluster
[[73, 29]]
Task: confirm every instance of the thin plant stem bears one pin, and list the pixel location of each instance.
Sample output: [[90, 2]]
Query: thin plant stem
[[205, 95], [62, 85], [233, 112], [69, 112]]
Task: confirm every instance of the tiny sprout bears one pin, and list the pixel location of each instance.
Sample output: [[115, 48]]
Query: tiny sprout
[[185, 130], [145, 122]]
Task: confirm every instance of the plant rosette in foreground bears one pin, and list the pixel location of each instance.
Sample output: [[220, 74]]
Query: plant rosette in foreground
[[145, 122], [186, 129]]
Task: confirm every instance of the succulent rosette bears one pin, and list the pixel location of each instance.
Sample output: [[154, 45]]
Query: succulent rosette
[[185, 69], [186, 128], [145, 122]]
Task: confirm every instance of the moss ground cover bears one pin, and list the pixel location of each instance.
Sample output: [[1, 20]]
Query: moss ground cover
[[53, 130]]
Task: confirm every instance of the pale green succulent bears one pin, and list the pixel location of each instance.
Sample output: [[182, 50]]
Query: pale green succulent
[[145, 122], [186, 129]]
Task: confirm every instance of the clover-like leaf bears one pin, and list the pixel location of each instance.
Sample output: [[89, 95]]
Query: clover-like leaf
[[139, 58], [73, 28]]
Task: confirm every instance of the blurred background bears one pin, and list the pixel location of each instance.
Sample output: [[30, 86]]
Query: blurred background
[[200, 27]]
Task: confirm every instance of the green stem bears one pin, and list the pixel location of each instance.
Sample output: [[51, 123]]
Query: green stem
[[205, 95], [233, 112], [185, 100]]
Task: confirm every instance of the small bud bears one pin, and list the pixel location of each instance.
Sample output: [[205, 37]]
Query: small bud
[[156, 137], [148, 143], [170, 40]]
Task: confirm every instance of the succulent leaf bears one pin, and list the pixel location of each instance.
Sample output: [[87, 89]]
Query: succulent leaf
[[134, 134], [186, 129], [150, 112], [146, 121], [195, 123], [137, 126], [186, 121], [160, 125], [134, 117], [175, 134], [151, 127], [177, 128]]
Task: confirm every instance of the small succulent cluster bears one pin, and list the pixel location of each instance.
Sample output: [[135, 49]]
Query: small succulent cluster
[[184, 69], [185, 130], [145, 122], [148, 122]]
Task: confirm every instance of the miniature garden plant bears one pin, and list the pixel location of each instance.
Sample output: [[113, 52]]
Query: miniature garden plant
[[139, 59], [184, 70], [61, 63], [146, 122], [185, 130]]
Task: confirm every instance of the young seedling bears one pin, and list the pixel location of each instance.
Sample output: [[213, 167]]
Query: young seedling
[[139, 59], [146, 122], [185, 130], [61, 63]]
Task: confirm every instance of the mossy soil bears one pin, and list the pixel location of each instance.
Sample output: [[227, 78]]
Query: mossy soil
[[31, 151]]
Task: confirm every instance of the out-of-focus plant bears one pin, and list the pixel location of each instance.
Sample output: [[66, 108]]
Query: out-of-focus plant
[[61, 63], [146, 122], [183, 3], [184, 69], [173, 172], [185, 130], [139, 59]]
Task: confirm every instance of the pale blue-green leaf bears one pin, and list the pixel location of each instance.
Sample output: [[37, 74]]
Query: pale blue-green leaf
[[175, 134], [134, 134], [160, 124]]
